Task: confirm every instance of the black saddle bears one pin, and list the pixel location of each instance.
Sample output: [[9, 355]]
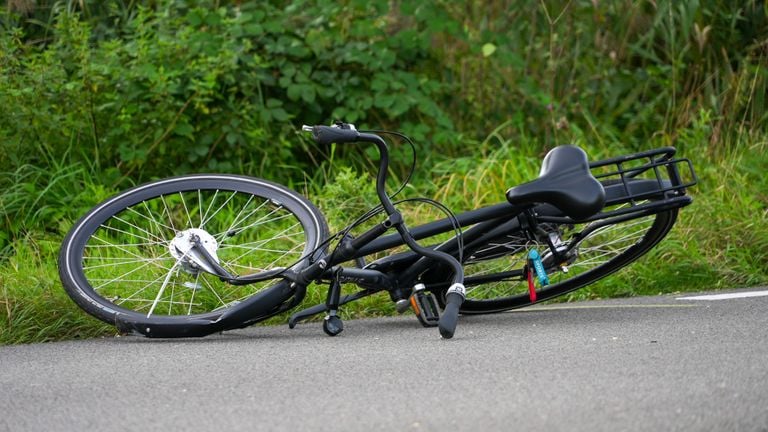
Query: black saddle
[[565, 182]]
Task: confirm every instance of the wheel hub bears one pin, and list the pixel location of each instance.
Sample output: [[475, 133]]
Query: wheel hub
[[184, 248], [548, 258]]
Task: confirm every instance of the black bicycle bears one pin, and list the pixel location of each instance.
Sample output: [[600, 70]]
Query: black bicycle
[[194, 255]]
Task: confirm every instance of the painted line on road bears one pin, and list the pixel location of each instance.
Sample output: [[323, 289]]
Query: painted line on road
[[729, 296], [630, 306]]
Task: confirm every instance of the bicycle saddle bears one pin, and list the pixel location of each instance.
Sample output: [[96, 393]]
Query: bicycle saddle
[[564, 182]]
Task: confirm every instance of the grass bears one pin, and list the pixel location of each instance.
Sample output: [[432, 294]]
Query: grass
[[34, 305]]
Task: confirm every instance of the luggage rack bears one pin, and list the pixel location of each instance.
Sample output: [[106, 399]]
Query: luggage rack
[[650, 174], [679, 173]]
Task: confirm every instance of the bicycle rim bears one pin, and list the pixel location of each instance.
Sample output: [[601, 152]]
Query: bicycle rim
[[496, 273], [122, 258]]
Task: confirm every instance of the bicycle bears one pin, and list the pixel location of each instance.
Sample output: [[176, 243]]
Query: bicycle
[[199, 254]]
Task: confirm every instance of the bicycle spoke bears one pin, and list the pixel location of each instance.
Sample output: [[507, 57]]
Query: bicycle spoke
[[120, 278], [159, 226], [170, 303], [109, 228], [258, 249], [108, 246], [194, 291], [257, 245], [167, 211], [239, 216], [213, 290], [221, 207], [210, 205], [159, 239], [200, 205], [121, 248], [221, 236], [121, 263], [186, 209], [142, 289], [162, 289]]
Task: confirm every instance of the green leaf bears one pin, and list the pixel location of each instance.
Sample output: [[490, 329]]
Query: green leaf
[[488, 49], [294, 92], [254, 30], [279, 114], [184, 129], [380, 82], [308, 94], [384, 101], [201, 150], [195, 17], [213, 19]]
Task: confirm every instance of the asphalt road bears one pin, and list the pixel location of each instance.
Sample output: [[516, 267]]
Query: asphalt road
[[656, 363]]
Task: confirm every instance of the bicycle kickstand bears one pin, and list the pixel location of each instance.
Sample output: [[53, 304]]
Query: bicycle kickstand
[[332, 324]]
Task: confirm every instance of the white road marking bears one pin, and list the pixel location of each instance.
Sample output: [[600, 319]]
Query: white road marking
[[538, 308], [727, 296]]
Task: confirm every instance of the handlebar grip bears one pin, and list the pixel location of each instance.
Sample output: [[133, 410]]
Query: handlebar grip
[[450, 316], [325, 135]]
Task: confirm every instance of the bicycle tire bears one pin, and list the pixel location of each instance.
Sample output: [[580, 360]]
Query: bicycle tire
[[505, 293], [118, 258]]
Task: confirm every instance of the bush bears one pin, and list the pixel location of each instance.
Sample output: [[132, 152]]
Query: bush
[[212, 88]]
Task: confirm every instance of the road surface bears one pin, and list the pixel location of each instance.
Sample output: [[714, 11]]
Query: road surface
[[641, 364]]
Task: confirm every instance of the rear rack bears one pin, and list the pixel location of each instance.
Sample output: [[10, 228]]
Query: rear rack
[[640, 184], [672, 175]]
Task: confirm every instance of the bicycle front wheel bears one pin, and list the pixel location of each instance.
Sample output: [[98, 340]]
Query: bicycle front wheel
[[121, 257]]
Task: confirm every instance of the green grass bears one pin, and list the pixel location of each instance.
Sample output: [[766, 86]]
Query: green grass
[[33, 303]]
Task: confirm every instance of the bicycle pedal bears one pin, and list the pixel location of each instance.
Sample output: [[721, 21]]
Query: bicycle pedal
[[424, 305]]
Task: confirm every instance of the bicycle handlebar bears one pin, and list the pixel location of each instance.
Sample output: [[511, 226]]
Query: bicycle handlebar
[[340, 133], [450, 316]]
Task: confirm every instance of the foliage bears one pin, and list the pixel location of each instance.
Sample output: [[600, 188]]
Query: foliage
[[182, 86], [195, 87]]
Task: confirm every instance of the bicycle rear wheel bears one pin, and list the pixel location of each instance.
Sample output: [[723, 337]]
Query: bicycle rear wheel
[[121, 257], [494, 273]]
